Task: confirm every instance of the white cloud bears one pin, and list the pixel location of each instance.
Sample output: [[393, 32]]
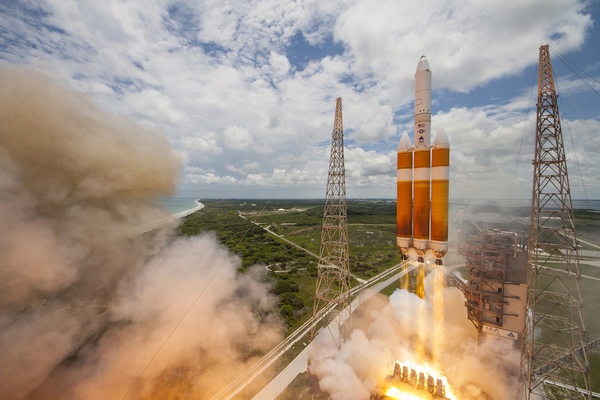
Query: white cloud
[[251, 166], [205, 143], [235, 170], [473, 43], [208, 177], [153, 105], [244, 169], [280, 63], [220, 80], [238, 138]]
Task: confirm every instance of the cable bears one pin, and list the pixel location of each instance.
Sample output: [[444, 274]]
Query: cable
[[566, 62], [522, 137], [363, 166], [573, 145], [307, 144]]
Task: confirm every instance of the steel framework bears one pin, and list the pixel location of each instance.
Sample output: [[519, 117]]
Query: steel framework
[[495, 260], [554, 363], [332, 295]]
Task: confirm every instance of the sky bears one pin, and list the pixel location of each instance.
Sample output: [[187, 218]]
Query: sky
[[245, 90]]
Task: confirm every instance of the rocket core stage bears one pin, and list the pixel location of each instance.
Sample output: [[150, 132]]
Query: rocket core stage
[[422, 185]]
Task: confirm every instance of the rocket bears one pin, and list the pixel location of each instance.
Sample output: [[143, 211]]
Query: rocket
[[423, 180]]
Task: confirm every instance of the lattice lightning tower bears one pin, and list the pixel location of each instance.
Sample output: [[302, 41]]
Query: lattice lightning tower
[[333, 276], [554, 363]]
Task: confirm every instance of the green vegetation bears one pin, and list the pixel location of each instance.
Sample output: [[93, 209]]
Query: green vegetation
[[594, 359], [587, 223], [253, 244], [291, 271]]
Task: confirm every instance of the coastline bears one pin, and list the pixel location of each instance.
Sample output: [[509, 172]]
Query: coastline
[[150, 226], [185, 213]]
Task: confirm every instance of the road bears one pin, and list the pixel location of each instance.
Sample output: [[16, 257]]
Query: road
[[268, 229]]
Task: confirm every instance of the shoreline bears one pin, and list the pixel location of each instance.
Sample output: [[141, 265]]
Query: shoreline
[[185, 213], [152, 225]]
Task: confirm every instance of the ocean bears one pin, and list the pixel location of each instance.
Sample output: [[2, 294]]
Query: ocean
[[578, 204], [586, 204], [177, 205]]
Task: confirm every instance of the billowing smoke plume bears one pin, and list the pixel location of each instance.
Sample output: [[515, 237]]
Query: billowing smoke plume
[[85, 302], [388, 331]]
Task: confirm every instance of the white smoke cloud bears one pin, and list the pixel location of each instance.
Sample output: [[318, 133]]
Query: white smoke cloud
[[88, 309]]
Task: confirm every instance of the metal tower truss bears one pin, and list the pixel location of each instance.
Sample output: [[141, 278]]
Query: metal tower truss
[[332, 295], [554, 363]]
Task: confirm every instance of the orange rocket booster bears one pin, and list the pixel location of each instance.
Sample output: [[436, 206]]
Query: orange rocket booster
[[440, 174], [404, 194], [422, 181]]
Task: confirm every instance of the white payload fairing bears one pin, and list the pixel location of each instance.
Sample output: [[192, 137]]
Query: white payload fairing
[[422, 181]]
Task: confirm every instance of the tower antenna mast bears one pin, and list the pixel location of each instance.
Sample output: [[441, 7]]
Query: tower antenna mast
[[332, 294], [554, 362]]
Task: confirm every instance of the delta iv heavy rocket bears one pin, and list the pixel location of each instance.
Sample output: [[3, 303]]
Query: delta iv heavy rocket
[[422, 184]]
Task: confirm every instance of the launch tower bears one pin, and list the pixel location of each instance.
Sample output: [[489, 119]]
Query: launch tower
[[333, 269], [554, 362], [496, 287]]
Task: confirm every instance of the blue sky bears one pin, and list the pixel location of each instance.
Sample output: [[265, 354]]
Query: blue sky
[[245, 90]]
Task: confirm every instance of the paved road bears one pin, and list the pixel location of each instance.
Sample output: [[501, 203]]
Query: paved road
[[591, 244]]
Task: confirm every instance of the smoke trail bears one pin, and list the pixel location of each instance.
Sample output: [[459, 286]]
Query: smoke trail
[[388, 334], [84, 302]]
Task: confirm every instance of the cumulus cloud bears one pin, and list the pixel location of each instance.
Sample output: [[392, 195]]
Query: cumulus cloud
[[224, 82], [475, 43], [279, 62], [208, 177], [152, 105], [88, 308], [238, 138], [206, 143]]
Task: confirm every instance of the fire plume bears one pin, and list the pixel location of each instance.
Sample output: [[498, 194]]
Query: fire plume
[[414, 381]]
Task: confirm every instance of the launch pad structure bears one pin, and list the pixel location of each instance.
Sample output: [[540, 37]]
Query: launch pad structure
[[528, 291], [496, 288]]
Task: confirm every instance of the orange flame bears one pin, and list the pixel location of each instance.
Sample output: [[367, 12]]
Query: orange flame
[[397, 394], [404, 391]]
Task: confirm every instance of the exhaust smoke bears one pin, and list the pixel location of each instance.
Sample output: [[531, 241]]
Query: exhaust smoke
[[85, 303], [391, 331]]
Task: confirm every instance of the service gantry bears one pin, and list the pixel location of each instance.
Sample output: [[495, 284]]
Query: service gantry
[[496, 287]]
